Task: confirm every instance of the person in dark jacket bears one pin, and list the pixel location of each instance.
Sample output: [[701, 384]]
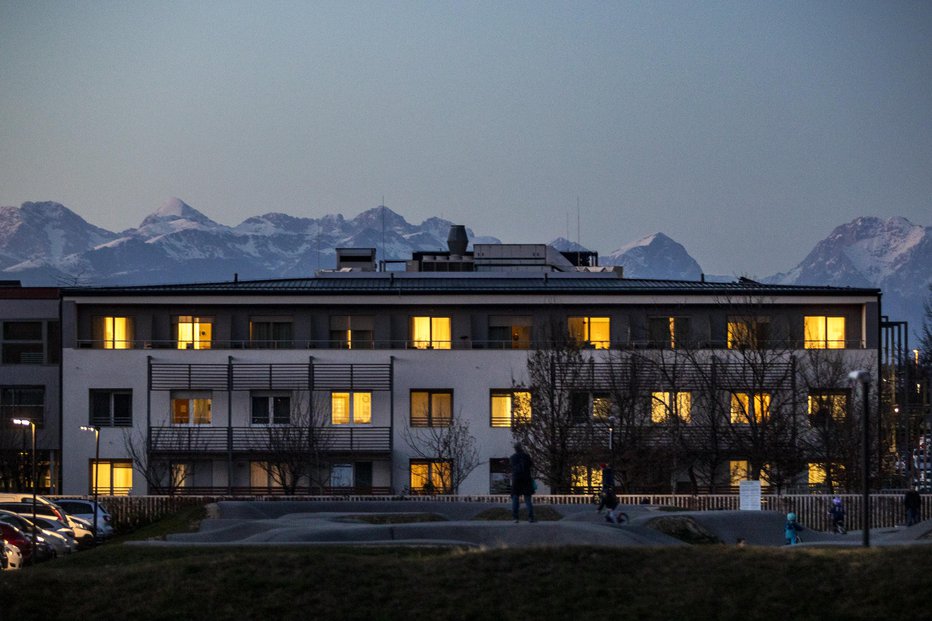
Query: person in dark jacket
[[912, 502], [522, 482]]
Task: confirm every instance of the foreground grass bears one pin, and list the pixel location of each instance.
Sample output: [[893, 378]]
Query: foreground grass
[[140, 583], [704, 582]]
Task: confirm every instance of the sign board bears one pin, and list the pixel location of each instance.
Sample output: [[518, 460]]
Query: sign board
[[749, 492]]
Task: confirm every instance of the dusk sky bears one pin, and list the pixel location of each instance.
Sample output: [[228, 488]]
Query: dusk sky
[[744, 130]]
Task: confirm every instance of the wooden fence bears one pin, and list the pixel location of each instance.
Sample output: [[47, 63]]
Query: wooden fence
[[886, 510]]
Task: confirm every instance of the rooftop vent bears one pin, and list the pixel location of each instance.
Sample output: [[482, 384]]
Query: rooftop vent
[[457, 240]]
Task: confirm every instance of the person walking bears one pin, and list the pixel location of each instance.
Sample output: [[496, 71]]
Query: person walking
[[838, 516], [791, 529], [522, 482], [912, 501]]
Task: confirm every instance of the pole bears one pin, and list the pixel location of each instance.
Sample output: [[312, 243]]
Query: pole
[[96, 474], [32, 425], [865, 508]]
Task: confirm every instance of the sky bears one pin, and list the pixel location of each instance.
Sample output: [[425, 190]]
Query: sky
[[744, 130]]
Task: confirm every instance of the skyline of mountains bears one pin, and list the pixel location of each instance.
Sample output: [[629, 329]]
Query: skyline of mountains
[[48, 244]]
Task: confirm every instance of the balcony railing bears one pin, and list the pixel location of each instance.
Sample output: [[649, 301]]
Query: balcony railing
[[208, 439]]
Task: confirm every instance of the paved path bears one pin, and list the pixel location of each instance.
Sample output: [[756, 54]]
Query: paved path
[[332, 523]]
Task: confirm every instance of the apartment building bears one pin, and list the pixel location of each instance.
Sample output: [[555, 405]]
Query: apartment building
[[346, 381], [29, 386]]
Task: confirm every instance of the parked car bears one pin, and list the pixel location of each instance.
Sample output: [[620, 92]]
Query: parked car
[[4, 561], [13, 556], [60, 544], [84, 509], [83, 533], [18, 538]]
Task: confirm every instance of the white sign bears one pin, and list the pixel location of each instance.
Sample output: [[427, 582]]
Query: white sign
[[750, 495]]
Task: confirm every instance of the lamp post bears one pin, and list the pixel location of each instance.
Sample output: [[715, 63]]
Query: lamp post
[[25, 422], [94, 482], [864, 379]]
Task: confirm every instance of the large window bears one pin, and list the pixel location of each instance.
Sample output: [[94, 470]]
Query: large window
[[25, 342], [586, 477], [827, 405], [668, 332], [499, 475], [748, 332], [352, 332], [666, 406], [111, 408], [508, 332], [738, 471], [430, 332], [430, 477], [271, 333], [260, 476], [112, 477], [113, 332], [191, 408], [590, 331], [431, 408], [194, 332], [271, 408], [510, 407], [747, 407], [588, 406], [823, 332], [351, 408], [22, 402]]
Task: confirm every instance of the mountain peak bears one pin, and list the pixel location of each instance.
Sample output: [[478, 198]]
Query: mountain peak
[[655, 256], [176, 209]]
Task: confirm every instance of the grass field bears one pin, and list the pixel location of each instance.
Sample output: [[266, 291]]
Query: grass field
[[700, 582]]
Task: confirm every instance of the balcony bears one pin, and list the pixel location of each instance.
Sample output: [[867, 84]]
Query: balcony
[[264, 440]]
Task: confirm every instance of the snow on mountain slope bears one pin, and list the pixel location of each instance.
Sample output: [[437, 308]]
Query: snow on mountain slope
[[655, 256]]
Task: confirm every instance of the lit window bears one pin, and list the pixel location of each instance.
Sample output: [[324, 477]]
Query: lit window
[[114, 332], [351, 408], [111, 408], [190, 409], [271, 408], [748, 332], [352, 332], [510, 407], [590, 331], [507, 332], [430, 476], [431, 408], [738, 471], [260, 476], [666, 405], [824, 332], [585, 477], [747, 407], [194, 332], [180, 474], [270, 333], [668, 332], [825, 406], [817, 474], [112, 477], [430, 332]]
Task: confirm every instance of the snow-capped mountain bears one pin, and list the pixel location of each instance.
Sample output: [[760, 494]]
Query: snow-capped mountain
[[893, 255], [655, 256], [47, 244]]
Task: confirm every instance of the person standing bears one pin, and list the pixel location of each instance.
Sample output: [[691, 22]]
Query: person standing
[[838, 516], [791, 529], [522, 482], [912, 501]]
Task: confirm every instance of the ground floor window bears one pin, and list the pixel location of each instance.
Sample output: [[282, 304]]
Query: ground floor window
[[112, 477], [430, 477], [586, 478], [260, 476], [500, 475]]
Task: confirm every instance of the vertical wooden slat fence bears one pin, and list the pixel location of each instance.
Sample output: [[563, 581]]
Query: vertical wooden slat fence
[[887, 511]]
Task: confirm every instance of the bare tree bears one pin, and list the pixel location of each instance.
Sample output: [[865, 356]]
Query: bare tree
[[298, 452], [163, 474], [451, 445]]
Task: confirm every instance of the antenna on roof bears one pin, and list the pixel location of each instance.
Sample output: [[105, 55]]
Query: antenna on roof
[[578, 237]]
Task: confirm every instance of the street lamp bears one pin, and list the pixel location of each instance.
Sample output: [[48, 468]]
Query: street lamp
[[94, 480], [25, 422], [864, 379]]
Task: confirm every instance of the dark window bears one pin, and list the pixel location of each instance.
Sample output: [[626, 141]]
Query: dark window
[[271, 408], [271, 333], [23, 402], [112, 408], [352, 332]]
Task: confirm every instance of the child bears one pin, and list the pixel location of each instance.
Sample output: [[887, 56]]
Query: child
[[791, 529]]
